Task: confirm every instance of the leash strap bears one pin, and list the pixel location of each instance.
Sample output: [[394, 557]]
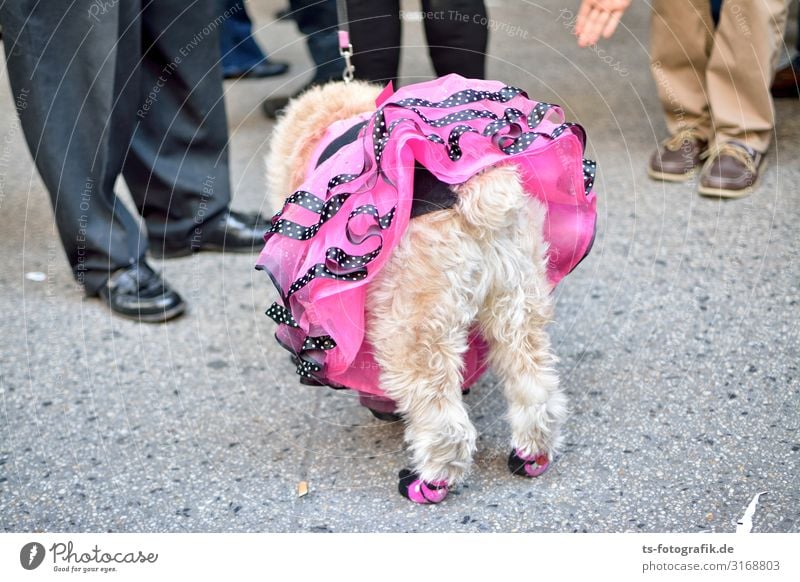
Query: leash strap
[[345, 48]]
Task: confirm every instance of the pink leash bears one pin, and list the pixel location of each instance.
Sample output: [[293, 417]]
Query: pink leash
[[345, 48]]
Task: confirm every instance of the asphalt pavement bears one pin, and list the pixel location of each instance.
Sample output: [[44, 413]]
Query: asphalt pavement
[[677, 337]]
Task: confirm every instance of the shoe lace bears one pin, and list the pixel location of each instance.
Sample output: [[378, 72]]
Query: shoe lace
[[689, 134], [733, 150]]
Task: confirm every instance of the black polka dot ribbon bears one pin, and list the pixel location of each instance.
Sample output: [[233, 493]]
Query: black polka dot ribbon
[[589, 172], [464, 97], [296, 231], [519, 143], [463, 115], [380, 133], [306, 200], [342, 260], [280, 315], [352, 267], [574, 128], [508, 144], [304, 359], [384, 221], [341, 179], [537, 114], [307, 368], [510, 117], [320, 270], [453, 141], [380, 223], [322, 342]]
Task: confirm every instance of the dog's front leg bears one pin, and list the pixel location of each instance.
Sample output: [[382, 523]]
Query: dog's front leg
[[419, 314]]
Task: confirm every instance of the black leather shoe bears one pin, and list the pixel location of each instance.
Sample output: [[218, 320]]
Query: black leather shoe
[[139, 293], [263, 69], [233, 232], [236, 232], [274, 107]]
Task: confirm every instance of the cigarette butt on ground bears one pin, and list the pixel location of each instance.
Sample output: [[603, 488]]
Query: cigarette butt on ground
[[302, 489]]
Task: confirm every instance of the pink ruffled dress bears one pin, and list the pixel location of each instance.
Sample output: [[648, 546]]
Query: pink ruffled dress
[[335, 233]]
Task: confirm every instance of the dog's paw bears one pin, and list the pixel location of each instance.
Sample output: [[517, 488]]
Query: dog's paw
[[529, 466], [413, 488]]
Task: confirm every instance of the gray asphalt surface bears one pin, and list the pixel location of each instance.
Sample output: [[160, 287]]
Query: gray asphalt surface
[[678, 340]]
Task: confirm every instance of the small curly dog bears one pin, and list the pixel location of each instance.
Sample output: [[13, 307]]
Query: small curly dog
[[457, 183]]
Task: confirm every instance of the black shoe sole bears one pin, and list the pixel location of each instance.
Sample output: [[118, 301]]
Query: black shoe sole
[[253, 74], [161, 253], [158, 317], [165, 254]]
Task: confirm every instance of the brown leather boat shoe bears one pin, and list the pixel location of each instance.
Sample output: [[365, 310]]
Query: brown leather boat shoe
[[786, 84], [679, 157], [731, 171]]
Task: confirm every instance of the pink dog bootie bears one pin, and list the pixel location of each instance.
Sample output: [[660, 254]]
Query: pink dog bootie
[[528, 466], [419, 491]]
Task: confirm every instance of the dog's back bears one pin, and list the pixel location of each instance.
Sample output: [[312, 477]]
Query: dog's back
[[490, 203], [300, 130]]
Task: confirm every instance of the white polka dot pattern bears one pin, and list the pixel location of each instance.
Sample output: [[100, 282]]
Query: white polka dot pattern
[[280, 315], [296, 231], [589, 172], [322, 342]]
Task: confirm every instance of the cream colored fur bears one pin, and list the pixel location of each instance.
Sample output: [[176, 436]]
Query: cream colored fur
[[480, 263]]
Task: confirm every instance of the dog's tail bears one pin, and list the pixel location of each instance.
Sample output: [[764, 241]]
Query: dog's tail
[[300, 129], [495, 201]]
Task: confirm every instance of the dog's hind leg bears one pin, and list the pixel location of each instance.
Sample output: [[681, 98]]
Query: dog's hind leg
[[420, 310], [512, 321]]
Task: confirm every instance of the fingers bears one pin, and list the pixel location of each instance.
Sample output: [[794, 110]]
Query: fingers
[[583, 13], [611, 25], [593, 27], [598, 24], [612, 5], [598, 18]]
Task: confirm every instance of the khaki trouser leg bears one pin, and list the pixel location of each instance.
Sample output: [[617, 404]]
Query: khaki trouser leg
[[740, 70], [681, 40]]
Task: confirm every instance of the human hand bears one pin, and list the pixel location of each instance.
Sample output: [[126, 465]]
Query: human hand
[[598, 18]]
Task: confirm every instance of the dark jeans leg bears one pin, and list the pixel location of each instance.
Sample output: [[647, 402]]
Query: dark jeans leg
[[375, 32], [69, 77], [716, 6], [240, 51], [457, 42], [177, 166], [319, 23]]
